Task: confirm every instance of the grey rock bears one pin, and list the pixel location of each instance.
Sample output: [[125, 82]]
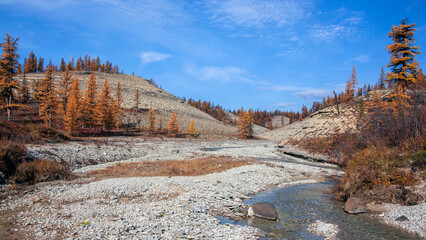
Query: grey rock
[[263, 210], [402, 218], [355, 205]]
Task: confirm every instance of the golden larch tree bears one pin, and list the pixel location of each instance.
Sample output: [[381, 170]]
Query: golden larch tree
[[173, 126], [8, 69], [89, 103], [106, 115], [72, 116], [136, 100], [351, 85], [24, 91], [65, 87], [245, 124], [119, 101], [160, 124], [151, 119], [50, 105], [403, 65], [192, 131]]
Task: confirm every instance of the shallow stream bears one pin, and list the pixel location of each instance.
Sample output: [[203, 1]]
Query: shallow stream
[[299, 206]]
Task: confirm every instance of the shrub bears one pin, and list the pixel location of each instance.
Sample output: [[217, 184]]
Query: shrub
[[11, 155], [378, 174], [41, 171], [29, 133]]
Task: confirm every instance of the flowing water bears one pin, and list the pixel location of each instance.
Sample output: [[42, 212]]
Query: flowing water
[[299, 206]]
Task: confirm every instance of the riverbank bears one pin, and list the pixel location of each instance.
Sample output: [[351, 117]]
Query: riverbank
[[152, 207], [161, 207]]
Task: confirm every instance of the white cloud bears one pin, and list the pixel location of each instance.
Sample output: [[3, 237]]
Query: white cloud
[[282, 105], [254, 13], [310, 93], [361, 58], [303, 92], [147, 57], [331, 33], [223, 74]]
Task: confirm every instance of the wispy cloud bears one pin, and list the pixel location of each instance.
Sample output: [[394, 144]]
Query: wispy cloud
[[330, 33], [344, 25], [282, 105], [303, 92], [254, 13], [223, 74], [147, 57], [310, 93], [361, 58]]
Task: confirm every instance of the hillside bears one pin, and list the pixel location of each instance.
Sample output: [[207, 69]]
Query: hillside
[[161, 101], [319, 124]]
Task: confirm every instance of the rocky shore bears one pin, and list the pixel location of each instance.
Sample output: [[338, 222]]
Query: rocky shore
[[164, 207], [153, 207]]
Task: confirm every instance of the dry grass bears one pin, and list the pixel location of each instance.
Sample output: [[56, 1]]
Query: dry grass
[[194, 167]]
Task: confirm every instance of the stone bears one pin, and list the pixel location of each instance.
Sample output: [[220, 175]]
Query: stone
[[263, 210], [355, 205], [402, 218]]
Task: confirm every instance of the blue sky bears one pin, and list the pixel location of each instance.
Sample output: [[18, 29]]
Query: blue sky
[[257, 54]]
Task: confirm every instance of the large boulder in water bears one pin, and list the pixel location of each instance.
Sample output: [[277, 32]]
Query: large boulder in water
[[263, 210], [355, 205]]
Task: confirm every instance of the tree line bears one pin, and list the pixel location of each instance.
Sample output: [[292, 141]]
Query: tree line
[[32, 64], [62, 103]]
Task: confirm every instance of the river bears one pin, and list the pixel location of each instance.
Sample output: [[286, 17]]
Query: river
[[299, 206]]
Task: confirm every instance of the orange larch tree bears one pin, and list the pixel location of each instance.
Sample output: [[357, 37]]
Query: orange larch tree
[[8, 69], [50, 105], [89, 103], [151, 119], [72, 116], [106, 115], [160, 124], [403, 52], [192, 131], [119, 101], [245, 125], [24, 91], [64, 88], [173, 126], [136, 100]]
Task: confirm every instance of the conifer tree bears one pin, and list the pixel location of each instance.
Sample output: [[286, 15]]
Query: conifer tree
[[173, 126], [136, 100], [245, 125], [40, 67], [151, 119], [119, 102], [50, 105], [8, 69], [106, 116], [403, 52], [64, 88], [63, 65], [192, 131], [31, 64], [89, 103], [160, 124], [382, 78], [24, 91], [72, 117], [351, 85]]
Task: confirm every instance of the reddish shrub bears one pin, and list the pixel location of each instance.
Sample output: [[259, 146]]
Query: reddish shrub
[[41, 171], [11, 155]]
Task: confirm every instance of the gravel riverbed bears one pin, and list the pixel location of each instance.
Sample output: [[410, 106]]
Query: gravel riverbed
[[152, 207]]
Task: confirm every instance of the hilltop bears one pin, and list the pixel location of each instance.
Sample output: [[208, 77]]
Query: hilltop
[[163, 103]]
